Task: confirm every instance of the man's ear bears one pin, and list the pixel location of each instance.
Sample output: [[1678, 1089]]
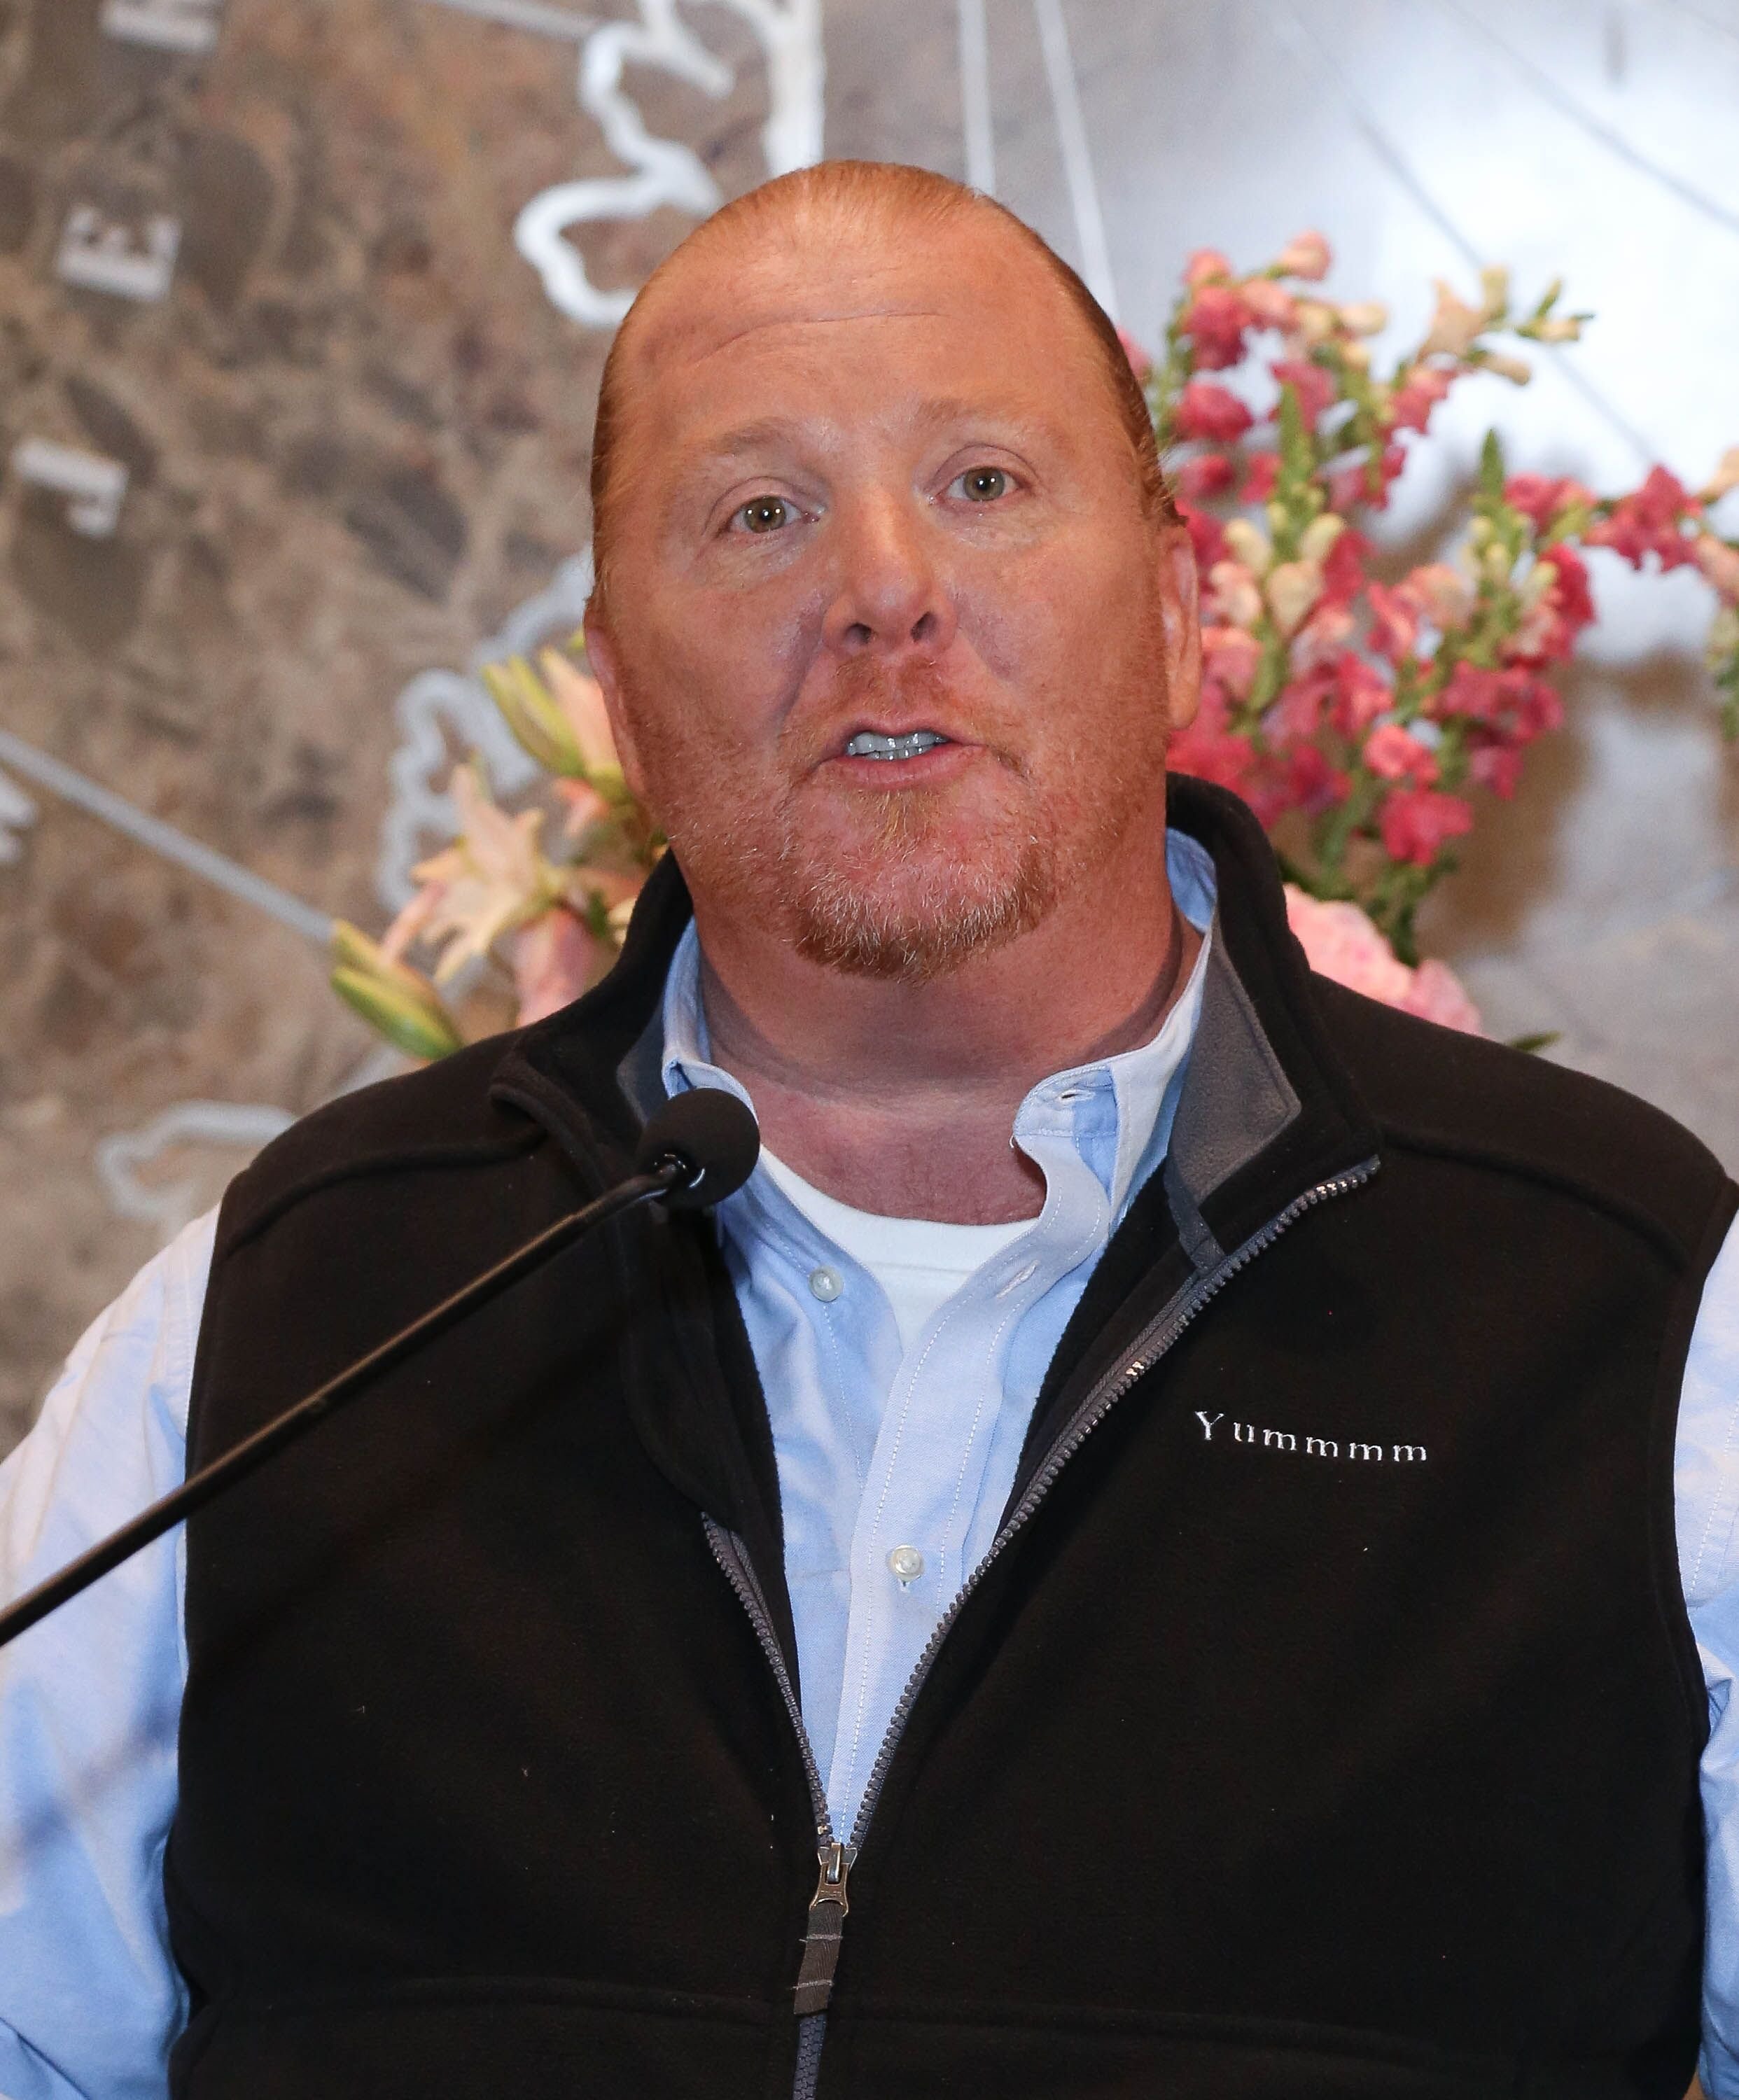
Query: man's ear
[[605, 664], [1180, 616]]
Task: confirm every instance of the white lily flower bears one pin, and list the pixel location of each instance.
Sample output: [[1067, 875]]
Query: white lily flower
[[492, 877]]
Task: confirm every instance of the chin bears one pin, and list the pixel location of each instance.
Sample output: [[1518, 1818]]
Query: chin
[[924, 915]]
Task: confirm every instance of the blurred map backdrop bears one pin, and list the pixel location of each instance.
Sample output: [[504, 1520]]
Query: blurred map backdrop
[[302, 304]]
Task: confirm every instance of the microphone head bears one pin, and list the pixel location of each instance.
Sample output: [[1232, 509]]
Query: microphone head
[[715, 1137]]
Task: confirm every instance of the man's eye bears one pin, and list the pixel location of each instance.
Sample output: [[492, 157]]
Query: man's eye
[[765, 513], [982, 484]]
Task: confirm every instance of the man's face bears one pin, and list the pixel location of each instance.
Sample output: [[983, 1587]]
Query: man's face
[[888, 631]]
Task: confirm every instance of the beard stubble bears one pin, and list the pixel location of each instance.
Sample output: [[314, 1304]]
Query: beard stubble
[[882, 886]]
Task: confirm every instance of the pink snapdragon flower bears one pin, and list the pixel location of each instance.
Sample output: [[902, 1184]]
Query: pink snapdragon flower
[[1272, 304], [1206, 748], [1455, 326], [1354, 486], [1542, 498], [1233, 595], [1229, 660], [1412, 403], [1213, 413], [1444, 595], [1318, 644], [1437, 993], [1343, 568], [1391, 753], [1362, 693], [1306, 255], [1206, 535], [1215, 321], [1648, 523], [1550, 624], [1341, 941], [1418, 822], [1293, 589], [1312, 784], [1313, 387], [1297, 715], [1394, 623], [1260, 476], [1204, 266], [1512, 703], [1497, 767], [1206, 476]]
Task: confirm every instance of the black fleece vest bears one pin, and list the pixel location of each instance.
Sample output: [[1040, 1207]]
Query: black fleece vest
[[1326, 1724]]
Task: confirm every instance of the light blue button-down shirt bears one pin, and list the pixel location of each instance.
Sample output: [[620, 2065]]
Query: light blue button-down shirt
[[875, 1447], [880, 1449]]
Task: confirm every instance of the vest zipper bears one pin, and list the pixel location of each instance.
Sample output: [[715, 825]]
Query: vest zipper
[[829, 1907]]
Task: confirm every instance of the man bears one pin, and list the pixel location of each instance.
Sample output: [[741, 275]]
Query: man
[[1136, 1556]]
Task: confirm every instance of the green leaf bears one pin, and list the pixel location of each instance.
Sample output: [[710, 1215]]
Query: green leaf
[[1533, 1044], [353, 950], [1726, 682], [1491, 469], [1270, 675], [421, 1025], [530, 711], [1296, 455]]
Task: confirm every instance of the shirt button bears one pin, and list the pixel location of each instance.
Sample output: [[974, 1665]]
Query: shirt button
[[907, 1564], [826, 1284]]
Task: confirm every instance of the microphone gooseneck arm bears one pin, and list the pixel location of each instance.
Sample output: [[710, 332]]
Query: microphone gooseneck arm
[[689, 1156]]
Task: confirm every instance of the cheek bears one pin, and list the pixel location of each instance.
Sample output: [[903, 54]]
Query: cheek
[[1064, 629], [714, 679]]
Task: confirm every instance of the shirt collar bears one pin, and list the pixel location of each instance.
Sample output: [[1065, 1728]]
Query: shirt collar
[[1128, 1090]]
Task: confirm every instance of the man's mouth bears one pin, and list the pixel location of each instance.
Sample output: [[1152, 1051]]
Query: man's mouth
[[868, 744]]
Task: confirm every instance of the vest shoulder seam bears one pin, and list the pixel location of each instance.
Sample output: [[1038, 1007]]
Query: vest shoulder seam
[[1502, 1159], [423, 1158]]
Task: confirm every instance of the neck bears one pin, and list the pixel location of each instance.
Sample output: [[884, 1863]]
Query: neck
[[900, 1098]]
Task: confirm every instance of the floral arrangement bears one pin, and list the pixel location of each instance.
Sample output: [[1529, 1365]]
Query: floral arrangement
[[1359, 717], [496, 897]]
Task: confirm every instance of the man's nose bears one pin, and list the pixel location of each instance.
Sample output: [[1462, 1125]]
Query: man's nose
[[890, 596]]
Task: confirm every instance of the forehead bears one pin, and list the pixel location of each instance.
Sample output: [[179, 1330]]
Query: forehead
[[831, 311]]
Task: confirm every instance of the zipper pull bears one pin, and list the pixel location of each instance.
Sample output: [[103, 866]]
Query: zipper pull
[[835, 1865], [827, 1910]]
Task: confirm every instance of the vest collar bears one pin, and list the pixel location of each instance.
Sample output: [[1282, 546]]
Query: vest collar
[[1267, 1108]]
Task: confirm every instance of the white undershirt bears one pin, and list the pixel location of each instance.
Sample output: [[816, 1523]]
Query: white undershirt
[[919, 1263]]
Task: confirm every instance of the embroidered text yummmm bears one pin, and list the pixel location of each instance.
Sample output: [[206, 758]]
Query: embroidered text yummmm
[[1311, 1447]]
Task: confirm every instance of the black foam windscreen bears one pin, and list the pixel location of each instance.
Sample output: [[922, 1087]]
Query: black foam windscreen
[[712, 1134]]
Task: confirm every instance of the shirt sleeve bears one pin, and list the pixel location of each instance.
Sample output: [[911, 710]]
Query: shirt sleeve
[[91, 1999], [1705, 1480]]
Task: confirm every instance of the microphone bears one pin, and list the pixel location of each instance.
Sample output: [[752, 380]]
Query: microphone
[[698, 1148], [711, 1139]]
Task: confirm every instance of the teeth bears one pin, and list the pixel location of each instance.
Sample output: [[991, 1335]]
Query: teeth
[[867, 744]]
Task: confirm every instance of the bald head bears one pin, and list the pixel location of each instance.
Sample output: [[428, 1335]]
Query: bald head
[[891, 621], [841, 206]]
